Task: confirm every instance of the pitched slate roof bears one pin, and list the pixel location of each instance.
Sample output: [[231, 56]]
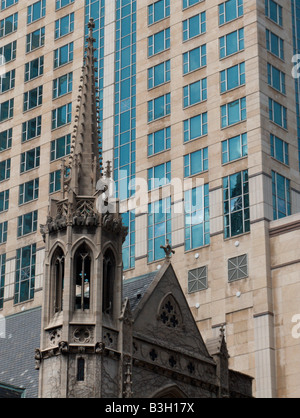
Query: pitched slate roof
[[17, 349], [134, 289]]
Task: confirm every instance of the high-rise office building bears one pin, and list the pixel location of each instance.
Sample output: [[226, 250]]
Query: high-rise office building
[[199, 114]]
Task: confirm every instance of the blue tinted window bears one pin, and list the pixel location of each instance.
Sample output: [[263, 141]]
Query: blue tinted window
[[159, 74], [281, 191], [30, 159], [5, 139], [35, 39], [195, 127], [36, 11], [7, 3], [234, 148], [194, 26], [188, 3], [196, 207], [196, 162], [230, 10], [25, 273], [274, 44], [28, 191], [159, 141], [8, 25], [233, 77], [8, 51], [61, 116], [273, 11], [233, 112], [194, 59], [63, 3], [64, 25], [158, 11], [159, 42], [278, 113], [6, 110], [279, 149], [55, 181], [231, 43], [195, 93], [4, 200], [159, 107], [276, 78], [236, 204], [5, 169], [159, 228], [63, 55], [62, 85], [27, 223]]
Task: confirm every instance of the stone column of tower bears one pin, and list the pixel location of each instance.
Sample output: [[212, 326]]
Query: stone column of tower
[[81, 350]]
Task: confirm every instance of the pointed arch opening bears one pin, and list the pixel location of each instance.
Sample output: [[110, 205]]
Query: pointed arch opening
[[109, 271], [169, 312], [58, 273], [169, 391], [82, 270]]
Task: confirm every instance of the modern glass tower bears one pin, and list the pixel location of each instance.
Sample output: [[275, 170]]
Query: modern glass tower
[[199, 115]]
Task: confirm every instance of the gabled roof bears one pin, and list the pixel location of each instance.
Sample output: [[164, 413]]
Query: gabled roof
[[150, 295]]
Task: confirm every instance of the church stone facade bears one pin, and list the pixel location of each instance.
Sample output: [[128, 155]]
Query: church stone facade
[[102, 336]]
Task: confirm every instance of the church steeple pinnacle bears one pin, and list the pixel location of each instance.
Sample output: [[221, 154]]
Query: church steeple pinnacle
[[85, 161]]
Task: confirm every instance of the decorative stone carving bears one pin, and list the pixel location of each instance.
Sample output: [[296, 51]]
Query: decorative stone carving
[[54, 337], [114, 225], [127, 393], [99, 348], [83, 335], [63, 347], [38, 358], [110, 338], [84, 213]]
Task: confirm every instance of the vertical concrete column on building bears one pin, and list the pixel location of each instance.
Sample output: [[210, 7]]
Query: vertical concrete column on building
[[177, 222], [295, 200], [261, 213], [108, 81], [39, 269], [216, 211], [10, 270], [218, 306], [141, 224], [265, 355]]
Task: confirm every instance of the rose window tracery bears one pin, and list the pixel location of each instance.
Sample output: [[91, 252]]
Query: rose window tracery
[[169, 313]]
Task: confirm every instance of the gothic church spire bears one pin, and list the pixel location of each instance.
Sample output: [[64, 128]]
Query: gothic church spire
[[85, 161]]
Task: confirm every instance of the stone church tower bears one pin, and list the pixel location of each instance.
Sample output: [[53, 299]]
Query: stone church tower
[[83, 261]]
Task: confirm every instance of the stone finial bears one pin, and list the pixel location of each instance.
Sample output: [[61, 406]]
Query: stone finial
[[167, 249]]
